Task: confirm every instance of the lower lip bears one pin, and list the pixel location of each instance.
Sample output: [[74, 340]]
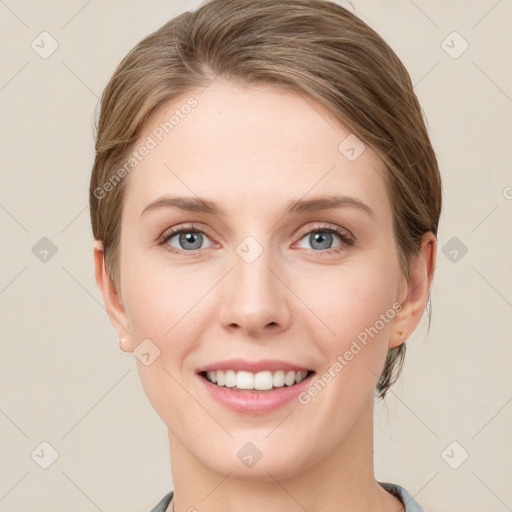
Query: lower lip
[[254, 402]]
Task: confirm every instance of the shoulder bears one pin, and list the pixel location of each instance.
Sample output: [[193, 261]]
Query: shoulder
[[163, 503], [410, 504]]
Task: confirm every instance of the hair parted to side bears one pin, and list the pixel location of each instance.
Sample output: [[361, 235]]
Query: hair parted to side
[[314, 48]]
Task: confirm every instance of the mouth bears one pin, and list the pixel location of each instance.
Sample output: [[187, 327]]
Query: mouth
[[256, 382]]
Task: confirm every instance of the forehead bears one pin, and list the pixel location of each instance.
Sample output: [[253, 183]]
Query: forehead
[[244, 144]]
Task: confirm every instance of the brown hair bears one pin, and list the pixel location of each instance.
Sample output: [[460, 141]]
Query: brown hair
[[310, 47]]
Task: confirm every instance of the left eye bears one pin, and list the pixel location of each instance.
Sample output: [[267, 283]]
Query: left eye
[[322, 238]]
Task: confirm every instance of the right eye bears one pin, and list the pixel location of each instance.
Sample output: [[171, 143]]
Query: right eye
[[189, 240]]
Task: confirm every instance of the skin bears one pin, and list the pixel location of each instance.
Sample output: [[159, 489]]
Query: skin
[[251, 150]]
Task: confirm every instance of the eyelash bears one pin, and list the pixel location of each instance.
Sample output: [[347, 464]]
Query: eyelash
[[346, 240]]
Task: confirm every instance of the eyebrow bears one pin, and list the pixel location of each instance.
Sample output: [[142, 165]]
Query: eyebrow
[[197, 204]]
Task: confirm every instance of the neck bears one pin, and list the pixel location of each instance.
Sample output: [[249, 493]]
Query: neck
[[330, 479]]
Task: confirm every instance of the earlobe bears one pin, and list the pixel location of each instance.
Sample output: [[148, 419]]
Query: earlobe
[[113, 304], [125, 344], [417, 291], [396, 339]]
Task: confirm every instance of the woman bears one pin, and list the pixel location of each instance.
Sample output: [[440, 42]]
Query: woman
[[265, 202]]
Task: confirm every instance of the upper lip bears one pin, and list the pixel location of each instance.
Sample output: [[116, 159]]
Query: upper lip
[[252, 366]]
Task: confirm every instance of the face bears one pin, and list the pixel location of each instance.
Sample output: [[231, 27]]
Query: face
[[261, 277]]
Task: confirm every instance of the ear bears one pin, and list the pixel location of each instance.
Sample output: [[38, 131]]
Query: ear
[[113, 304], [414, 291]]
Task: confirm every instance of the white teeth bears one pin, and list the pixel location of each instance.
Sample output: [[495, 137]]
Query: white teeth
[[263, 380], [289, 380], [260, 381], [278, 379], [230, 379]]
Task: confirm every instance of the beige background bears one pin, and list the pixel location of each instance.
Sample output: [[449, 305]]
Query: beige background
[[63, 379]]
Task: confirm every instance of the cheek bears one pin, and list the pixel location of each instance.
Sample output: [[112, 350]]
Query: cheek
[[161, 309], [345, 300], [168, 305], [163, 306], [354, 303]]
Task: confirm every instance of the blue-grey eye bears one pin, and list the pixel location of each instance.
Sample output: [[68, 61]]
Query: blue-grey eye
[[188, 239], [320, 240]]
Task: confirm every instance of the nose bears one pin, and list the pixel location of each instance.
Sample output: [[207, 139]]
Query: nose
[[256, 299]]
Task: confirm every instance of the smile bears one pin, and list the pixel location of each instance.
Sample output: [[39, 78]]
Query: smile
[[249, 399], [260, 381]]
